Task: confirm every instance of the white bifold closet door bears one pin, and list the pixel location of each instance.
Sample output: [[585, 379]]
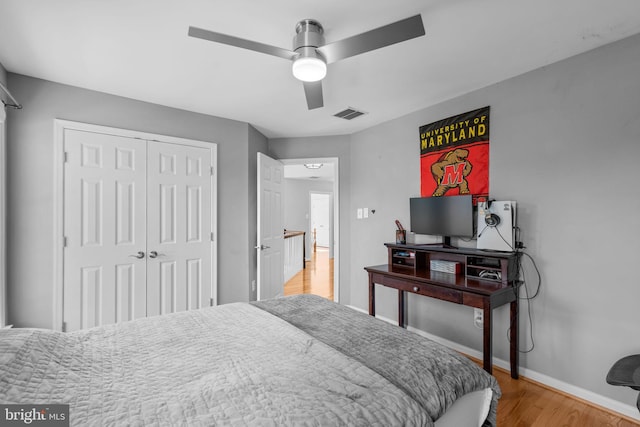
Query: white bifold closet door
[[137, 221], [178, 228]]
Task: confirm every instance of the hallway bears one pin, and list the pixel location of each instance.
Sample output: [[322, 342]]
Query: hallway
[[316, 279]]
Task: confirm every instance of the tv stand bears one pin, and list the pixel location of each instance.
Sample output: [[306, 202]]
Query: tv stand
[[485, 280]]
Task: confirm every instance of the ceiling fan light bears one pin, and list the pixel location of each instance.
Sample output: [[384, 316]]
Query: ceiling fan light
[[309, 69]]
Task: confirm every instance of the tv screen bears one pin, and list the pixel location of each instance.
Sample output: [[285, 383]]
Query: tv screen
[[447, 216]]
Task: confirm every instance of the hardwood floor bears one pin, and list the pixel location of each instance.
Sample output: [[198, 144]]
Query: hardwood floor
[[316, 279], [524, 403], [527, 403]]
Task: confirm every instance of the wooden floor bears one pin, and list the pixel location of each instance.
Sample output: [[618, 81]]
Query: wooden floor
[[316, 278], [523, 403], [527, 403]]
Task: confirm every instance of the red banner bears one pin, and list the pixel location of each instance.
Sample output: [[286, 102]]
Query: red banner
[[454, 155]]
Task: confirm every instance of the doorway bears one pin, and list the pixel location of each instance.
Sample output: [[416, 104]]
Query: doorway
[[312, 202]]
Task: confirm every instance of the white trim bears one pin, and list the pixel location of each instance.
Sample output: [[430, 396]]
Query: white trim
[[3, 220], [58, 198], [581, 393], [336, 213]]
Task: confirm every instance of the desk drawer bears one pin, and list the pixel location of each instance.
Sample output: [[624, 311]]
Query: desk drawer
[[444, 294], [425, 289]]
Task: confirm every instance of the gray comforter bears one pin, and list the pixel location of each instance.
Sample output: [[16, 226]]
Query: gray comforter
[[430, 373], [235, 364]]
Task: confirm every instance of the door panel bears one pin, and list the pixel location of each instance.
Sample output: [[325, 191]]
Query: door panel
[[179, 228], [105, 192], [92, 297], [125, 292], [125, 218], [168, 288]]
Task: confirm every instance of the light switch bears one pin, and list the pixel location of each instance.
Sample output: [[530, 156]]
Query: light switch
[[359, 214], [365, 212]]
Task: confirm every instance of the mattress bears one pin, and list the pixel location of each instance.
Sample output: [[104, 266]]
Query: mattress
[[240, 364], [472, 409]]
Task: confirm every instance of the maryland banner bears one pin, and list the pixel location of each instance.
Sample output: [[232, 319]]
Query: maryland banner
[[454, 155]]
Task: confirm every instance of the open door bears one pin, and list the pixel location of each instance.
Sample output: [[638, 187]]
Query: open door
[[270, 241]]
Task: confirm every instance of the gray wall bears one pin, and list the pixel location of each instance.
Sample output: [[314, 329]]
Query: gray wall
[[565, 144], [327, 146], [30, 182]]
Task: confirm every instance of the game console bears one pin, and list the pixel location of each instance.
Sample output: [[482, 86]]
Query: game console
[[496, 225]]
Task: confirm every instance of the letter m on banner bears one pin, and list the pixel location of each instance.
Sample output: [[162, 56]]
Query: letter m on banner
[[453, 175], [454, 155]]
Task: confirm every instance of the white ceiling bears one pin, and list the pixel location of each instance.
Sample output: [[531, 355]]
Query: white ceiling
[[140, 49], [298, 171]]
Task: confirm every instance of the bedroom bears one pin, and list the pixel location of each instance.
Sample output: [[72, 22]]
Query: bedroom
[[564, 144]]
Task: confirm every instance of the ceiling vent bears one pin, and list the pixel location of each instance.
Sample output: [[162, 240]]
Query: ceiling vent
[[349, 113]]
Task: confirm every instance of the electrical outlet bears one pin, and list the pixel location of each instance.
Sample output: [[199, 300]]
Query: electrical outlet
[[478, 316], [253, 286]]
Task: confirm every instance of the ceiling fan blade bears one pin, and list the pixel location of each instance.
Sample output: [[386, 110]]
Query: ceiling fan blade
[[238, 42], [313, 92], [387, 35]]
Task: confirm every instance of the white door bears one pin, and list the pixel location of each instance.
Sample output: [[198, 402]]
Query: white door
[[104, 257], [270, 241], [137, 224], [179, 229], [320, 217]]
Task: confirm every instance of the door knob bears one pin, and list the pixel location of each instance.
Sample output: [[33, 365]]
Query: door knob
[[153, 254], [139, 255], [262, 247]]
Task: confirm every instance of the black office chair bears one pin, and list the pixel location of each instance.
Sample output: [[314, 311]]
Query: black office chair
[[626, 372]]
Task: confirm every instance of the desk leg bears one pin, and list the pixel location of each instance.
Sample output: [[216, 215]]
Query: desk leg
[[372, 296], [401, 308], [513, 337], [487, 341]]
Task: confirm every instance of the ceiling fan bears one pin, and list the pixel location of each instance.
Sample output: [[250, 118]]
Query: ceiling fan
[[310, 54]]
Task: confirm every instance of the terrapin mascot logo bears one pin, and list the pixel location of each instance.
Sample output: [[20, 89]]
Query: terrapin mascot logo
[[454, 155], [450, 171]]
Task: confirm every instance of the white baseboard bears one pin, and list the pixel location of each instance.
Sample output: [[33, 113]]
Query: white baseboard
[[589, 396]]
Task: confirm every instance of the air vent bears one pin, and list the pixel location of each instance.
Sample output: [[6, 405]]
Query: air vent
[[349, 113]]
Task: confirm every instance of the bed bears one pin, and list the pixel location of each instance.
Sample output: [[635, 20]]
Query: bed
[[299, 360]]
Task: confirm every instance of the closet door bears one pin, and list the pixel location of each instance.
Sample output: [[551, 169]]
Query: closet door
[[105, 229], [179, 228]]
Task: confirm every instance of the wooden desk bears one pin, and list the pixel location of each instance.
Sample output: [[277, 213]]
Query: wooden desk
[[464, 288]]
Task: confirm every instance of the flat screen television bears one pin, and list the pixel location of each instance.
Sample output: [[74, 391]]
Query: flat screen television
[[446, 216]]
